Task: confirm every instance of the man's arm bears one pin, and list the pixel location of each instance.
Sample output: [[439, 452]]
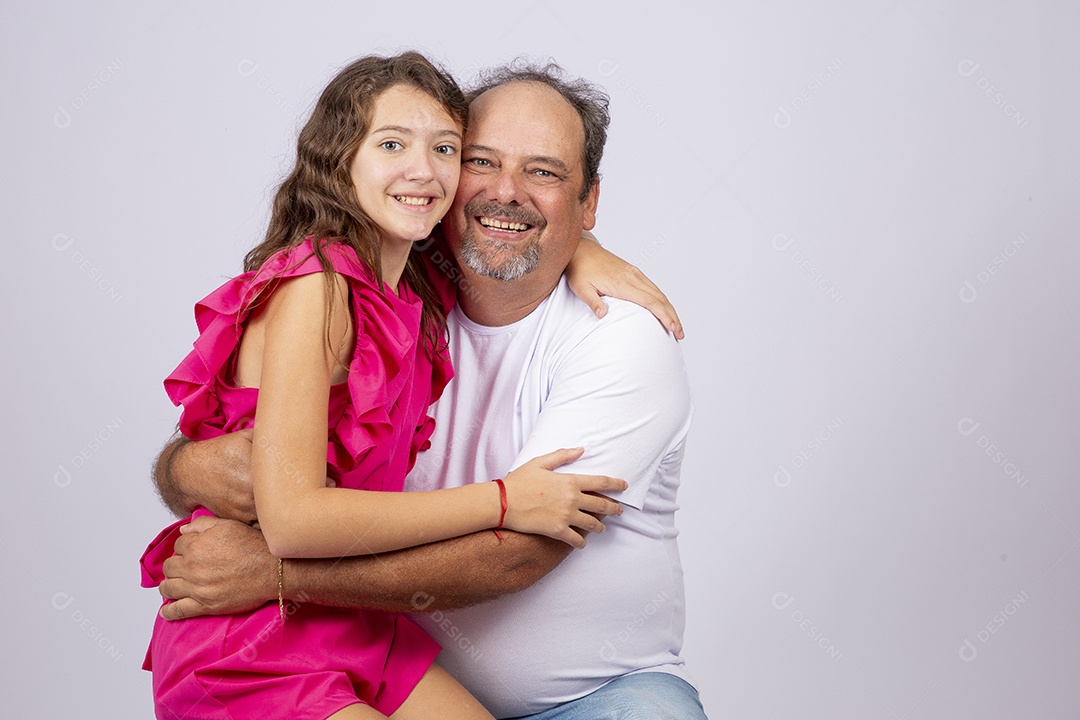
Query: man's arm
[[222, 567], [454, 573], [621, 391], [170, 493], [211, 473], [594, 272]]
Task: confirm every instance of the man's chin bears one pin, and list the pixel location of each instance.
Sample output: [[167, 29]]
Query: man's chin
[[500, 264]]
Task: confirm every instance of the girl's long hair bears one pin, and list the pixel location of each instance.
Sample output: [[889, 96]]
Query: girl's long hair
[[318, 198]]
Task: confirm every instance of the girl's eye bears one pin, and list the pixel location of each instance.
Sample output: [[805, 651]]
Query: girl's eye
[[390, 145], [446, 150]]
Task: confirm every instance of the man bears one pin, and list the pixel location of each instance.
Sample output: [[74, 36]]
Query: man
[[594, 633]]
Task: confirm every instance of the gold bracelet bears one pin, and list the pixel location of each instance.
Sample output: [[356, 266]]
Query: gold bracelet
[[280, 588]]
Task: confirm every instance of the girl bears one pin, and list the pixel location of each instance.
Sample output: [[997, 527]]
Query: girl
[[333, 338]]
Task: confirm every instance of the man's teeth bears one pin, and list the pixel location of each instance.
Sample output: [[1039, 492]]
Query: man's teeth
[[502, 225], [412, 200]]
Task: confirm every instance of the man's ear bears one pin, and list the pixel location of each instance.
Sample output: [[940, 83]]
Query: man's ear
[[589, 220]]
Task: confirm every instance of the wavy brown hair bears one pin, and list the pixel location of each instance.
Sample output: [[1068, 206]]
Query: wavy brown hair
[[318, 198]]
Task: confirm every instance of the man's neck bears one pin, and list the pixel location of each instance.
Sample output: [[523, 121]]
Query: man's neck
[[495, 303]]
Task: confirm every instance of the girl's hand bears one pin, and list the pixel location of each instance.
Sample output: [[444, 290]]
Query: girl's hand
[[543, 502], [594, 272]]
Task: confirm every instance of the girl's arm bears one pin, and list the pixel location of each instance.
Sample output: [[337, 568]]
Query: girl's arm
[[594, 272], [301, 517]]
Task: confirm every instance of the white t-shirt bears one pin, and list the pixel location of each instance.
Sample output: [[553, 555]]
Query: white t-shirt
[[562, 378]]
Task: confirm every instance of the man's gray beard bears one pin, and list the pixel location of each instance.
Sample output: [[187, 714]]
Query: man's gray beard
[[482, 260]]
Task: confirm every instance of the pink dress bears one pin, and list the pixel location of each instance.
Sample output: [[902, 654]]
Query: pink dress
[[320, 659]]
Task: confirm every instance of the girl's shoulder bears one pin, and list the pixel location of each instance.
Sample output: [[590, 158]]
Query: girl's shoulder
[[303, 259]]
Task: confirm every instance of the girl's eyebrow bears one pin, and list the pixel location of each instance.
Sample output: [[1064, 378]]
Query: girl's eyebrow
[[409, 131]]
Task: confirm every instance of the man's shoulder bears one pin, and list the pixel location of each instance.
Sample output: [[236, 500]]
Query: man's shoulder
[[569, 313], [628, 333]]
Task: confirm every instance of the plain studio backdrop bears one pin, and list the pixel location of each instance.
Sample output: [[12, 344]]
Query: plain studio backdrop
[[866, 214]]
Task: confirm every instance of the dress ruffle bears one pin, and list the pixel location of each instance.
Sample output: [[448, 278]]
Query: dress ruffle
[[387, 328], [323, 658], [362, 411]]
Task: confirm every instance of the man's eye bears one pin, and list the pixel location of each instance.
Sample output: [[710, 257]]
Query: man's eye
[[544, 173], [390, 145], [479, 162]]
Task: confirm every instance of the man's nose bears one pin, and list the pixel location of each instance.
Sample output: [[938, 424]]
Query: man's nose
[[506, 188]]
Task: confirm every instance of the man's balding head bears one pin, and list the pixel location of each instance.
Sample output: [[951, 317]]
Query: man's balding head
[[589, 101]]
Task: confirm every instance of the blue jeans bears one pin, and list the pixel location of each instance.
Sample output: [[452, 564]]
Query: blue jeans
[[644, 696]]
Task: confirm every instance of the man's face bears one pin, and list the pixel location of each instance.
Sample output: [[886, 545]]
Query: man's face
[[517, 202]]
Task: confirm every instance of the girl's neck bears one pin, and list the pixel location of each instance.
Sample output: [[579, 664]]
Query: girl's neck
[[394, 260]]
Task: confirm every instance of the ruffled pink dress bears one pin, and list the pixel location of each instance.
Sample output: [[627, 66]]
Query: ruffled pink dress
[[320, 659]]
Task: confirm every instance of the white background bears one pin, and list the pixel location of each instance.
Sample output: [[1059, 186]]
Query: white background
[[866, 213]]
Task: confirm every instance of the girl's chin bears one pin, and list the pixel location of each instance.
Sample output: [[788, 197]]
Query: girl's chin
[[407, 238]]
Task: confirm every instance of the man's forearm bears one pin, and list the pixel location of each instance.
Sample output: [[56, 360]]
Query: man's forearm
[[449, 574], [224, 566], [166, 480], [210, 473]]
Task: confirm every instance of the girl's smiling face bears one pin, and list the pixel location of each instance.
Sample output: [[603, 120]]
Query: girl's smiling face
[[406, 170]]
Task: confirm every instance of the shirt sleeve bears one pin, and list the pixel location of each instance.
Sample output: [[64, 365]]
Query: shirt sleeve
[[622, 393]]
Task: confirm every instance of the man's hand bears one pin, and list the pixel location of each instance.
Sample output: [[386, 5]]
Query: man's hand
[[220, 567], [594, 272]]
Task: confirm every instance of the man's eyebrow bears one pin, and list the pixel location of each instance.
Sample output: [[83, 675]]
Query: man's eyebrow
[[409, 131], [545, 159], [552, 161]]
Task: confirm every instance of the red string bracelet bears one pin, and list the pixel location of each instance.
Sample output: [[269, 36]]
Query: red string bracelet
[[502, 513]]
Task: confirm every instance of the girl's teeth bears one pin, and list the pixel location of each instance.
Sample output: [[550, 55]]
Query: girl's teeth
[[412, 200]]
